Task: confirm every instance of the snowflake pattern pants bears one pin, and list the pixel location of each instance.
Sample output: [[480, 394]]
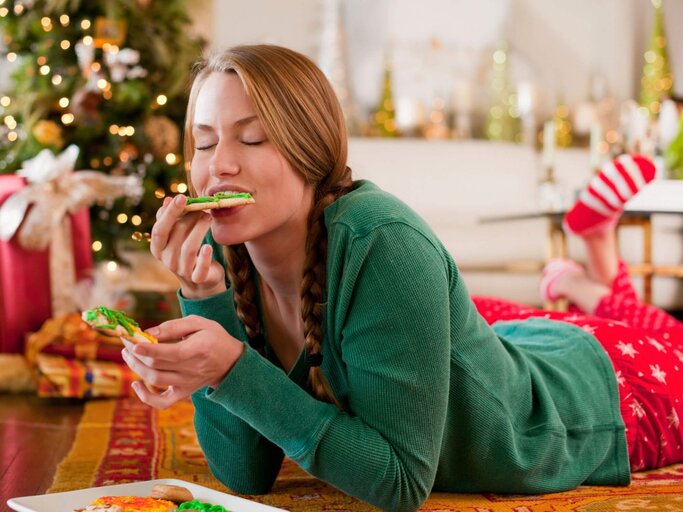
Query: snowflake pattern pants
[[645, 345]]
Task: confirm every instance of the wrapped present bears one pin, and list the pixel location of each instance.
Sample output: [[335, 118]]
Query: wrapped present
[[45, 238], [58, 376]]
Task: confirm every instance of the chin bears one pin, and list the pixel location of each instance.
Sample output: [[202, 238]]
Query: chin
[[228, 235]]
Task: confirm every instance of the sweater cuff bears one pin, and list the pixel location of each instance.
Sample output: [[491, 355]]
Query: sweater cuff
[[201, 306], [263, 396]]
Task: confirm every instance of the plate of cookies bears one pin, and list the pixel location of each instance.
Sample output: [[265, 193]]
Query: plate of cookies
[[163, 495]]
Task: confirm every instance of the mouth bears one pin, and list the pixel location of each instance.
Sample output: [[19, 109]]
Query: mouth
[[226, 187]]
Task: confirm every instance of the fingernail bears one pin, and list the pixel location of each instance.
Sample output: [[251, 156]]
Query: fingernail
[[154, 331], [127, 343], [179, 200]]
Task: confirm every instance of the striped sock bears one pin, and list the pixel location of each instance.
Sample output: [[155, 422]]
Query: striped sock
[[601, 203]]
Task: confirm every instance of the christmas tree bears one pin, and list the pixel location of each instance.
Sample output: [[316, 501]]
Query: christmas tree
[[383, 122], [109, 77], [502, 120], [657, 81]]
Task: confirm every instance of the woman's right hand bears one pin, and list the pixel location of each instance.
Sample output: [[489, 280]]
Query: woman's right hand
[[177, 243]]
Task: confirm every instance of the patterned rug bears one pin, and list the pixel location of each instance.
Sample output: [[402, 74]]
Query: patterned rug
[[120, 441]]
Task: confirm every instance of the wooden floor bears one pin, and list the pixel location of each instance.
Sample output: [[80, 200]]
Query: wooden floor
[[35, 435]]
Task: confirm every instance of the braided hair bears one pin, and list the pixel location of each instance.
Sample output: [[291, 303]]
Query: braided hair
[[300, 112]]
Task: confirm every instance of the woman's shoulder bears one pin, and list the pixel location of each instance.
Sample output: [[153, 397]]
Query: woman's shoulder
[[367, 207]]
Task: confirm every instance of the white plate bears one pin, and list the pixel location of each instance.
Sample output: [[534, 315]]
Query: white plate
[[67, 501]]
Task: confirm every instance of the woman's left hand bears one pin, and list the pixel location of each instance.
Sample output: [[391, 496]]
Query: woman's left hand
[[203, 357]]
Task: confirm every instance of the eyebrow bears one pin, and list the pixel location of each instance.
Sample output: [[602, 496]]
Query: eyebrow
[[241, 122]]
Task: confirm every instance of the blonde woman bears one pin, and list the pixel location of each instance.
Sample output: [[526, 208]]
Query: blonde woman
[[327, 323]]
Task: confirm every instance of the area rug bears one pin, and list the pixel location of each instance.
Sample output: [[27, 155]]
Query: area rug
[[121, 441]]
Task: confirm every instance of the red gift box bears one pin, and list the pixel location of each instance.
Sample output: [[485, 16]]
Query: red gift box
[[24, 276]]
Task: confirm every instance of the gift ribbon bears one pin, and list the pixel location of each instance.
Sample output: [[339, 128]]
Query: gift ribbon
[[38, 213]]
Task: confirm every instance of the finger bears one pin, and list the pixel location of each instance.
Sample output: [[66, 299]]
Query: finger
[[158, 378], [164, 360], [191, 246], [158, 400], [200, 273], [177, 328], [166, 221]]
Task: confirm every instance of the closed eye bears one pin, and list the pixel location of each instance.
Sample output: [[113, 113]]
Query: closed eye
[[250, 143], [203, 148]]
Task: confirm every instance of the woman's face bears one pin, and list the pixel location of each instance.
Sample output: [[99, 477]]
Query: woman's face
[[232, 152]]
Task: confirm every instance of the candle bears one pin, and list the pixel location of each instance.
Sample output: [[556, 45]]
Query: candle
[[548, 144], [595, 140]]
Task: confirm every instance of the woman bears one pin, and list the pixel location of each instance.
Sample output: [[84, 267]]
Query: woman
[[336, 330]]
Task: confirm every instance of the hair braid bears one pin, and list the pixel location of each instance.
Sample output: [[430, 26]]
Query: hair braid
[[240, 273], [314, 279]]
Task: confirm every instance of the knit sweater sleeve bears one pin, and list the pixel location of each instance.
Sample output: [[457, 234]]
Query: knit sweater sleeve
[[388, 334], [236, 453]]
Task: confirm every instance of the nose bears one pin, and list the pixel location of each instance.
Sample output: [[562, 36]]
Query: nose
[[224, 161]]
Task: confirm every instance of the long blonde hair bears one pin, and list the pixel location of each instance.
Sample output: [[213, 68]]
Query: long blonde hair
[[303, 119]]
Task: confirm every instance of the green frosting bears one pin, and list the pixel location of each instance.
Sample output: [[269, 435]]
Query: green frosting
[[114, 318], [217, 197], [202, 506]]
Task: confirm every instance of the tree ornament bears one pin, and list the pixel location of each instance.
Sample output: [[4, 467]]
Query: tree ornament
[[85, 106], [48, 133], [163, 136]]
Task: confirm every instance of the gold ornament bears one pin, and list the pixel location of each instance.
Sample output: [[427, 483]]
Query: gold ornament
[[163, 135], [48, 133], [109, 31]]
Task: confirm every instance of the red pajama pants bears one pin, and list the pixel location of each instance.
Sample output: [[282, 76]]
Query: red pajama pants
[[645, 345]]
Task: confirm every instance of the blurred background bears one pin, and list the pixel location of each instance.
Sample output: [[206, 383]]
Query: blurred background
[[473, 112]]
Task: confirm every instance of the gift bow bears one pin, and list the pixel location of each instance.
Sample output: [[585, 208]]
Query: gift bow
[[55, 190]]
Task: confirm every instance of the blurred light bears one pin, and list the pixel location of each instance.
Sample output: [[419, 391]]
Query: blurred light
[[102, 83], [161, 99], [64, 19], [65, 44], [5, 101], [499, 57], [44, 70], [174, 187], [12, 136], [11, 56], [85, 24], [96, 66], [56, 79], [137, 236], [10, 122], [107, 94], [182, 188], [122, 218], [42, 60], [64, 102], [130, 131], [112, 266], [87, 40], [45, 21], [171, 159], [94, 163], [18, 9], [107, 160], [114, 129], [612, 136], [97, 246], [160, 193], [67, 118], [3, 12], [136, 220]]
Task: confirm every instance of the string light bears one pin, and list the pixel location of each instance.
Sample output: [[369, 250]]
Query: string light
[[87, 40], [65, 44], [112, 266], [107, 160], [114, 129], [85, 24], [102, 83], [56, 79], [12, 136], [122, 218], [182, 188], [67, 118], [161, 99], [160, 193], [96, 66], [44, 70], [46, 23], [136, 220], [11, 56], [5, 101], [3, 12], [64, 102], [96, 246], [64, 19], [137, 236], [18, 9], [171, 159], [10, 122]]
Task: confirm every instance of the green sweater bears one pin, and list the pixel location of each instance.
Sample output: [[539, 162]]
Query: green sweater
[[435, 398]]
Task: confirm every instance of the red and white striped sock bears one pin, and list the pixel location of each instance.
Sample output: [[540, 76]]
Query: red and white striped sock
[[601, 203]]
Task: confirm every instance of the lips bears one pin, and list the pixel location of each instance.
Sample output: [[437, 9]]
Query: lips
[[226, 187]]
